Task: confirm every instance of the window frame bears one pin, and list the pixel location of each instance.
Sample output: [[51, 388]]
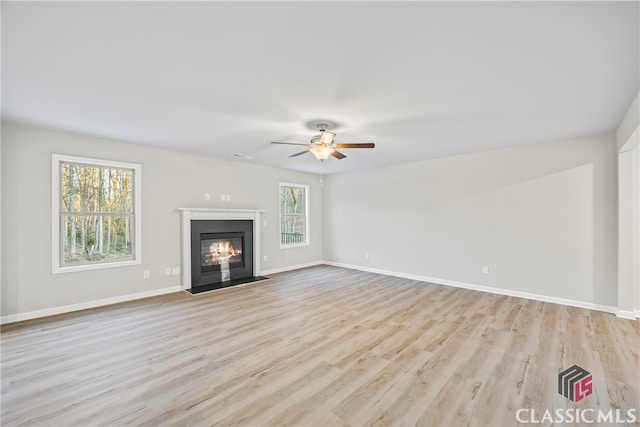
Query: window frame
[[56, 218], [307, 190]]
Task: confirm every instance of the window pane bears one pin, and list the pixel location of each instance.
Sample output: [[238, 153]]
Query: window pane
[[87, 188], [293, 214], [96, 238], [292, 200], [292, 229]]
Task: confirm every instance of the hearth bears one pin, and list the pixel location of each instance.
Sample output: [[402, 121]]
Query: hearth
[[220, 248]]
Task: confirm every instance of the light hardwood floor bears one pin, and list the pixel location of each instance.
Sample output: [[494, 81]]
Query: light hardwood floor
[[315, 347]]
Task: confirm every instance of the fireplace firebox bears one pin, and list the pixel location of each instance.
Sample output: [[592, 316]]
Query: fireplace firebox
[[220, 249], [221, 252]]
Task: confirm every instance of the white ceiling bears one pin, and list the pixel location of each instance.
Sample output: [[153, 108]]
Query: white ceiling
[[420, 79]]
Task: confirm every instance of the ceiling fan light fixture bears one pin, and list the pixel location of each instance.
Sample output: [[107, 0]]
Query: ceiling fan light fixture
[[327, 137], [322, 152]]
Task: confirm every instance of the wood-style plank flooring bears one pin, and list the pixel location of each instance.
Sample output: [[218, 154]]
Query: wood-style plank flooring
[[321, 346]]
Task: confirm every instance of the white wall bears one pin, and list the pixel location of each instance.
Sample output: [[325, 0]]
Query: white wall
[[628, 142], [170, 180], [627, 210], [542, 217]]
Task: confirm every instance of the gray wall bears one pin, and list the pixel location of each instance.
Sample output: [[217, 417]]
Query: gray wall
[[542, 217], [170, 180]]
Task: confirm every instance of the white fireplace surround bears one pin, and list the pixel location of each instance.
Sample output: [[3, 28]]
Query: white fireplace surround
[[191, 214]]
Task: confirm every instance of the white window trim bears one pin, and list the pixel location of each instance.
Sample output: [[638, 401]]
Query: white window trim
[[56, 244], [307, 242]]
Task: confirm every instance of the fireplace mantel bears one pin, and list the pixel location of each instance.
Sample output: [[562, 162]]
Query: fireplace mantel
[[190, 214]]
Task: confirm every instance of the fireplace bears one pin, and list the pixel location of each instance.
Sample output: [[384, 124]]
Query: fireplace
[[220, 248], [221, 251]]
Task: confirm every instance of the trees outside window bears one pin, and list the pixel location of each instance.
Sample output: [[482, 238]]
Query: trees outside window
[[294, 215], [96, 214]]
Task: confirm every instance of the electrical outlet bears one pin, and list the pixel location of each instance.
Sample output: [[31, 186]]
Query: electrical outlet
[[266, 258], [207, 196], [264, 223], [227, 197], [485, 269], [146, 274], [366, 255], [167, 271]]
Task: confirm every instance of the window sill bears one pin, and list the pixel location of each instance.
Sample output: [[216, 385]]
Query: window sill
[[295, 245], [96, 266]]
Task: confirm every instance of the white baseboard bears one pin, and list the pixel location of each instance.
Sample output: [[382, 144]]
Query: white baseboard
[[291, 267], [627, 314], [11, 318], [499, 291]]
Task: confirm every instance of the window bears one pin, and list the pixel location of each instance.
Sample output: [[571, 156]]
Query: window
[[96, 214], [294, 215]]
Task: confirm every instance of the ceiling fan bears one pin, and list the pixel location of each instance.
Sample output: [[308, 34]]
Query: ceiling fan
[[322, 146]]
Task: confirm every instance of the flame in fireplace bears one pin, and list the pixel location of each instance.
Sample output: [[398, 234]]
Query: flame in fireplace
[[221, 251]]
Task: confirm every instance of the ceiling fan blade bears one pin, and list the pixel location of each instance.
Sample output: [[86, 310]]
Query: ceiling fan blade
[[337, 154], [356, 145], [297, 154], [289, 143]]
